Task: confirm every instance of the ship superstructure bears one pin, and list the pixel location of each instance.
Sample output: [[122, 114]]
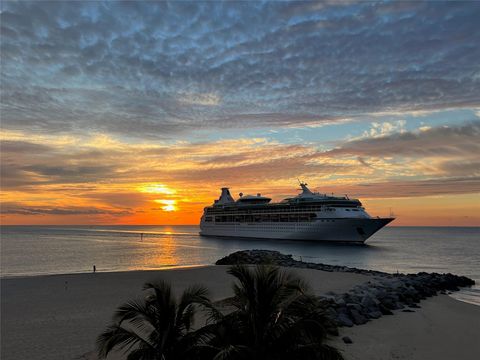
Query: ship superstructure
[[307, 216]]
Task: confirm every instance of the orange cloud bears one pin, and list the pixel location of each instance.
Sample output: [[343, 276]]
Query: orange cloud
[[105, 180]]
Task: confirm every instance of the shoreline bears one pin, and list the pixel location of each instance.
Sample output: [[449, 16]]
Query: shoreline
[[463, 290], [168, 267], [66, 312]]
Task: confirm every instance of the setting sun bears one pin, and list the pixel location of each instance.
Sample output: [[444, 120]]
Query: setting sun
[[169, 205]]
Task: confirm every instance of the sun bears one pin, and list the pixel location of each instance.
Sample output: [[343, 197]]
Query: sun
[[168, 205]]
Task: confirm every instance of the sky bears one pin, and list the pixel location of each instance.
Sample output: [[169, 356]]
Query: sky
[[139, 112]]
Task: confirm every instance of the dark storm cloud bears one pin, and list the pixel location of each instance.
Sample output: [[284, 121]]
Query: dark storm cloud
[[157, 69]]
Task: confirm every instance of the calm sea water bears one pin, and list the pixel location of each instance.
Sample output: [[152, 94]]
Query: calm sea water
[[39, 250]]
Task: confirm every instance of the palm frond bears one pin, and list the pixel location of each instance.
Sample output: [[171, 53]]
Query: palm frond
[[162, 303], [117, 336], [232, 352], [214, 314], [193, 295], [133, 310], [246, 290], [143, 353], [163, 294]]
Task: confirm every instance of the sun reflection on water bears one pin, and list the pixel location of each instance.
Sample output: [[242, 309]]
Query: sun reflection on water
[[158, 252]]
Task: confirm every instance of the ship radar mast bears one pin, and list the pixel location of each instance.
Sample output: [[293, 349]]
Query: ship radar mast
[[305, 189], [307, 193]]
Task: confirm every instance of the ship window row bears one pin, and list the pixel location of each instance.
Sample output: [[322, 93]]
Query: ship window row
[[266, 218], [223, 211], [267, 212], [279, 227]]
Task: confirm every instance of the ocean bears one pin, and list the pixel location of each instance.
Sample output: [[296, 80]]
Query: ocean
[[42, 250]]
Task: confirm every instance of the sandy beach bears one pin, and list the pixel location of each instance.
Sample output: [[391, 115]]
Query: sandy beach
[[60, 316], [443, 328]]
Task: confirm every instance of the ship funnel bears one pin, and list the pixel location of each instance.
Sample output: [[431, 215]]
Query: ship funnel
[[225, 197]]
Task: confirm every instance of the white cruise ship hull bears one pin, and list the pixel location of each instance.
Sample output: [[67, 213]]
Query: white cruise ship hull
[[350, 230]]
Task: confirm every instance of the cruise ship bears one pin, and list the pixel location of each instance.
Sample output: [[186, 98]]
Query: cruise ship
[[307, 216]]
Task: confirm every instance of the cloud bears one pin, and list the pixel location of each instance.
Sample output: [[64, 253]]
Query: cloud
[[200, 99], [22, 147], [385, 128], [409, 188], [261, 171], [15, 174], [118, 199], [108, 173], [459, 141], [461, 167], [161, 69], [22, 209]]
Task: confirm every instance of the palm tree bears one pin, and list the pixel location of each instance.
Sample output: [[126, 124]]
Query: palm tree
[[273, 317], [158, 328]]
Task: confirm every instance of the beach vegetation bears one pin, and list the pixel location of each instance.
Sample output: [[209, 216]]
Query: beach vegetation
[[272, 315], [157, 328]]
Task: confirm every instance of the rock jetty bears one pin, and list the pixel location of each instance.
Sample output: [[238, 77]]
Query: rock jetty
[[380, 296]]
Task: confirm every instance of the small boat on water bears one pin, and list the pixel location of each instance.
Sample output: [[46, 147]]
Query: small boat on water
[[307, 216]]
